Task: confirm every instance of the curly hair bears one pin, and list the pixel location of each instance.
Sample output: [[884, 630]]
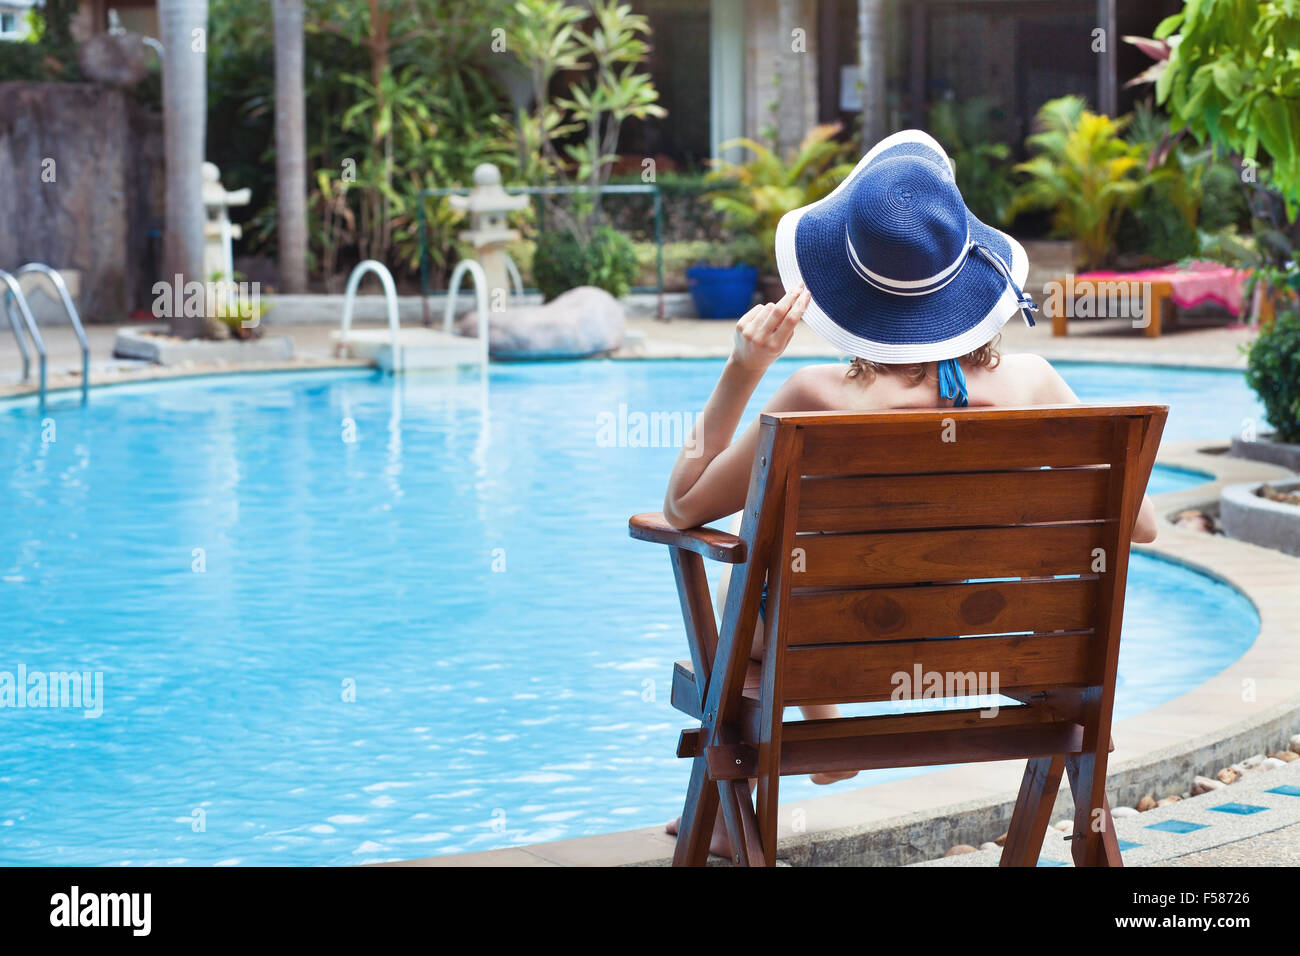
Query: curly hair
[[986, 356]]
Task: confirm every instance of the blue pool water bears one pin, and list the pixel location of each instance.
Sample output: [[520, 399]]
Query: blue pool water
[[416, 624]]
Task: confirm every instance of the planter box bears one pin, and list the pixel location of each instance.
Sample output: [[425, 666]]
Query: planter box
[[1248, 517], [164, 350], [1266, 449]]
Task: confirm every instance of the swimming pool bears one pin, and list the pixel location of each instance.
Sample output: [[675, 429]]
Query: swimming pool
[[341, 618]]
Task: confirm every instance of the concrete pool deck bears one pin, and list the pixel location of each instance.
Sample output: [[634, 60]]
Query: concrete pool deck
[[1194, 344], [1218, 723]]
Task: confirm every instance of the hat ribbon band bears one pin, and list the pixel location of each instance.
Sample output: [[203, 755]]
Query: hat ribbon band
[[906, 287], [937, 282], [1027, 305]]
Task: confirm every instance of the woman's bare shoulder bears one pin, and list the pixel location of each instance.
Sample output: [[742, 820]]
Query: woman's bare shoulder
[[811, 388], [1041, 381]]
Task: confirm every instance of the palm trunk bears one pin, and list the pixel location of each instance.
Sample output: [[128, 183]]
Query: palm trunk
[[290, 146], [184, 118], [872, 52]]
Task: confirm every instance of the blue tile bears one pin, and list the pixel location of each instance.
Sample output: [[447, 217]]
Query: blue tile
[[1242, 808], [1042, 862], [1177, 826], [1286, 790], [1128, 845]]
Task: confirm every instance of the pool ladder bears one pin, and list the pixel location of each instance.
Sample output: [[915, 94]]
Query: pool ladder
[[14, 298], [465, 266]]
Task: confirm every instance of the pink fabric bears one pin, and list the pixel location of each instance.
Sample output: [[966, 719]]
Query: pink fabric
[[1199, 282]]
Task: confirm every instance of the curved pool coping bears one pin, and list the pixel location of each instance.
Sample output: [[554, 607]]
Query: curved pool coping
[[898, 822], [1158, 751]]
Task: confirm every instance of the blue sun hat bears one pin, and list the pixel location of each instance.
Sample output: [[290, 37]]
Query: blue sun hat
[[899, 270]]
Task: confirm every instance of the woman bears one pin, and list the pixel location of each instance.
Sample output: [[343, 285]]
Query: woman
[[893, 269]]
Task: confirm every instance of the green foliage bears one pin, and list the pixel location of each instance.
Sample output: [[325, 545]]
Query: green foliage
[[744, 250], [761, 190], [1233, 76], [577, 131], [564, 260], [982, 166], [1273, 371], [1085, 173], [48, 53], [1190, 189], [392, 107], [1270, 249]]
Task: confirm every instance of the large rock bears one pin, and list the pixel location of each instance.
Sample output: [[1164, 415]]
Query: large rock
[[81, 187], [114, 59], [581, 322]]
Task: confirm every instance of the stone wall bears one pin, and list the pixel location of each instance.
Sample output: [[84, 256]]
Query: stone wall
[[80, 188]]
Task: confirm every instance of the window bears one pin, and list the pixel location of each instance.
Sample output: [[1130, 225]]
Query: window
[[8, 24]]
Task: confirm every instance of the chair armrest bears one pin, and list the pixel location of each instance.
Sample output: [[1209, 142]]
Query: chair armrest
[[709, 542]]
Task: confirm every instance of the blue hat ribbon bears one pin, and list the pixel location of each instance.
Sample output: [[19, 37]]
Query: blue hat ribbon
[[952, 382], [1027, 305]]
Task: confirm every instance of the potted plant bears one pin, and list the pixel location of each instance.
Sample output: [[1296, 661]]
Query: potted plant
[[722, 287], [767, 186]]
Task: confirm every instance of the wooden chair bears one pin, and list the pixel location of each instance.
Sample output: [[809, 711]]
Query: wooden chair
[[881, 536]]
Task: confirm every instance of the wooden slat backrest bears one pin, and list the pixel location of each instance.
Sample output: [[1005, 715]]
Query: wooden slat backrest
[[883, 537]]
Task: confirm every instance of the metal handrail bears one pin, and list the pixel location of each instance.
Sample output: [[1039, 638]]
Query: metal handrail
[[481, 299], [390, 298], [65, 297], [15, 295]]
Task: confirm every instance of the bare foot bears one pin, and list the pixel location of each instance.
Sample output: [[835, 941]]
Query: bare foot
[[718, 846], [825, 778]]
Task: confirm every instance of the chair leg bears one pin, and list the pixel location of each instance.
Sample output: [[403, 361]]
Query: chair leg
[[742, 825], [768, 784], [1095, 843], [695, 831], [1033, 811]]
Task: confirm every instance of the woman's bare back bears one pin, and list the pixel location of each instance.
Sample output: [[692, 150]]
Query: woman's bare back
[[1021, 379]]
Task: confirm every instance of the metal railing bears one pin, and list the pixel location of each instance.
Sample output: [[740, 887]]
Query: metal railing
[[14, 296], [65, 298], [651, 189], [390, 300], [481, 300]]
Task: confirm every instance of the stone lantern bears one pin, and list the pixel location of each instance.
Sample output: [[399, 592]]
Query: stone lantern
[[219, 232], [487, 205]]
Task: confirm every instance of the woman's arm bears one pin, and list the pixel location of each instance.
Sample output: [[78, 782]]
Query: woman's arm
[[1055, 391], [711, 476]]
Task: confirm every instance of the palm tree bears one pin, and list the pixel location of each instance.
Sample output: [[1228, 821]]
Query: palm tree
[[183, 25], [872, 52], [290, 146]]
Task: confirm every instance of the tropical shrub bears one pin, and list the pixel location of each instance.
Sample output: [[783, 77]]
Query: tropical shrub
[[1084, 173], [767, 186], [1189, 190], [1231, 77], [1273, 371], [564, 259], [577, 132], [982, 166]]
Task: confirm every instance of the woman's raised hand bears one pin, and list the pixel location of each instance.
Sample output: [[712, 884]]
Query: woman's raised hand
[[763, 332]]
